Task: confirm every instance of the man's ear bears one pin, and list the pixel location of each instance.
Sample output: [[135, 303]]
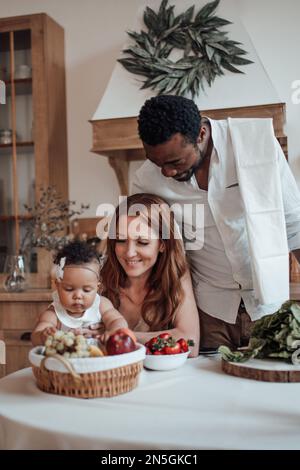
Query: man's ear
[[202, 134]]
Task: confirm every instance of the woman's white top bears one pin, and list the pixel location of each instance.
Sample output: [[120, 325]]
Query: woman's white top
[[68, 322]]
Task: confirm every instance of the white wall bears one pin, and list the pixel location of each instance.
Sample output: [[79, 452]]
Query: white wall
[[273, 26], [95, 33]]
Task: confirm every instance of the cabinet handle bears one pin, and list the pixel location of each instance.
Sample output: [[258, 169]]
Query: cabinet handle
[[26, 336]]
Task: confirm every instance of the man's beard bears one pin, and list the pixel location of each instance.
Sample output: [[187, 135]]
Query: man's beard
[[186, 175]]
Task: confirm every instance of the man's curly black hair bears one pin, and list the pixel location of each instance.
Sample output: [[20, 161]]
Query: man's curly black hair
[[77, 252], [163, 116]]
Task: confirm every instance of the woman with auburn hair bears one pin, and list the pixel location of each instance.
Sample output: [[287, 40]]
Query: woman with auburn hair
[[146, 275]]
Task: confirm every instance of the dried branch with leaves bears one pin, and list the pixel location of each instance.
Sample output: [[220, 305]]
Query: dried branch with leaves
[[49, 221]]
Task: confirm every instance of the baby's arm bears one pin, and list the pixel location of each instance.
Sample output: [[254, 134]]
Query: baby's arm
[[46, 325], [111, 317]]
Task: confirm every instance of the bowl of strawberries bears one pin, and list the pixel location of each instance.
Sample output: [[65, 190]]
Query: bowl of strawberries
[[163, 352]]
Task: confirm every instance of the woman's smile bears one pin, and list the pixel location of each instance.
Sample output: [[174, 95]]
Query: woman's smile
[[136, 250], [133, 262]]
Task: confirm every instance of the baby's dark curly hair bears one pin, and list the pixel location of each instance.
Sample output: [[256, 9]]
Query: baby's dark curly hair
[[163, 116], [77, 252]]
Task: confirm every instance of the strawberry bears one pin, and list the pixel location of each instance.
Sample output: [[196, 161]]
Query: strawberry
[[172, 349], [183, 345], [155, 344], [165, 336], [151, 343], [166, 344]]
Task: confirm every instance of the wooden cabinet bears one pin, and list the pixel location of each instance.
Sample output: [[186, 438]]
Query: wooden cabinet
[[33, 138], [18, 315]]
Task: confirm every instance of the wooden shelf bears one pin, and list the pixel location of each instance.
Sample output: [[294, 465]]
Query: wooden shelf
[[23, 86], [19, 144], [18, 81], [5, 218], [30, 295]]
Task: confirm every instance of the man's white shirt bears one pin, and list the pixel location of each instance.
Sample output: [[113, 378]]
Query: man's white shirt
[[221, 267]]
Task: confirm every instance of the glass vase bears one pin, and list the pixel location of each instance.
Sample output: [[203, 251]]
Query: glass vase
[[15, 268]]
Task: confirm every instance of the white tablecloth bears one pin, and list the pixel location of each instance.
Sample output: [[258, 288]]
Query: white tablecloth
[[194, 407]]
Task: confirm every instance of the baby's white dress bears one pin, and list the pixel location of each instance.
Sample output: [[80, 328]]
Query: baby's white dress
[[66, 322]]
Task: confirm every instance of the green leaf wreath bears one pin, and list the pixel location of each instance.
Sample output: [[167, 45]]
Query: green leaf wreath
[[207, 51]]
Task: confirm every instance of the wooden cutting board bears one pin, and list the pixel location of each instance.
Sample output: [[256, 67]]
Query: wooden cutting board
[[263, 369]]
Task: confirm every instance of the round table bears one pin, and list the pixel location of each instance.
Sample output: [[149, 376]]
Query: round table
[[194, 407]]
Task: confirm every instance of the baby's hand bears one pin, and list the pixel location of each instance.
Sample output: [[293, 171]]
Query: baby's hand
[[86, 332], [104, 337], [94, 330], [50, 330], [78, 331]]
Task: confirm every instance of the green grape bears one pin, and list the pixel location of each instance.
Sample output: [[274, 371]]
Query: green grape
[[50, 351], [58, 335], [60, 347], [67, 344]]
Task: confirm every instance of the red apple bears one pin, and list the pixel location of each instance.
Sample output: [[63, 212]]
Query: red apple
[[119, 343]]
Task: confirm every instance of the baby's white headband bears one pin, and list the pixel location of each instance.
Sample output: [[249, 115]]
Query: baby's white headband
[[59, 268]]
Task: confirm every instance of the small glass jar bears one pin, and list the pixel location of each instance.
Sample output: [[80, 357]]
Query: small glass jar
[[15, 268], [5, 136]]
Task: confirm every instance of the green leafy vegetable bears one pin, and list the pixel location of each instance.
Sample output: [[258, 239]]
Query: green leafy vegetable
[[273, 336]]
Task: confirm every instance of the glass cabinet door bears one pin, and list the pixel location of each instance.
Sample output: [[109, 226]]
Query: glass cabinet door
[[17, 158]]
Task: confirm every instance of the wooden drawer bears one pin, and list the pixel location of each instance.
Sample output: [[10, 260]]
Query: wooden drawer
[[20, 314], [17, 355], [17, 349]]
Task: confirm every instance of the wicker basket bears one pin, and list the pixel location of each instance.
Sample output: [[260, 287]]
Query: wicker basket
[[104, 383]]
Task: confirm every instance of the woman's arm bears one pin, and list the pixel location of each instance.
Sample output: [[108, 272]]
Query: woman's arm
[[46, 325], [186, 324], [111, 317]]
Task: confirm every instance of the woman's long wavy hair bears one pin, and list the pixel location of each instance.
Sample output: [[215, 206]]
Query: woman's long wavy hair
[[164, 283]]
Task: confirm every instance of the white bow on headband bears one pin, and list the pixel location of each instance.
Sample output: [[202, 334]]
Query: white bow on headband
[[59, 269]]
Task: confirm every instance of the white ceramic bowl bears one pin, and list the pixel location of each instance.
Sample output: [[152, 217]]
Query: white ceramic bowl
[[88, 364], [165, 361]]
